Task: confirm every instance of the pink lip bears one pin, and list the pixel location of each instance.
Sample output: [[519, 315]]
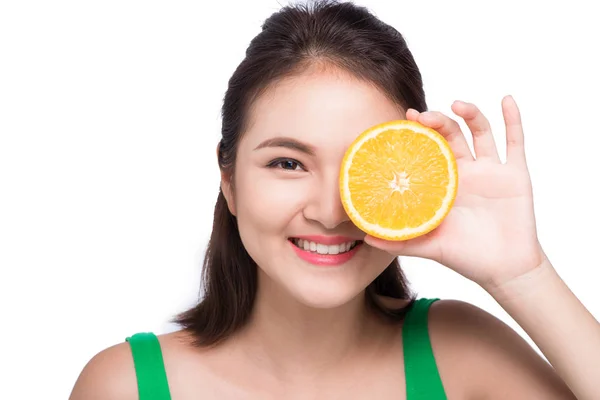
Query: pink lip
[[329, 240], [326, 259]]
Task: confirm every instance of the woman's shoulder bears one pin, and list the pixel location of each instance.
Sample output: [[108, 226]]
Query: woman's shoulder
[[480, 351], [110, 374], [478, 355]]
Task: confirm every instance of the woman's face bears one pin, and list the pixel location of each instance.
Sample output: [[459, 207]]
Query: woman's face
[[286, 186]]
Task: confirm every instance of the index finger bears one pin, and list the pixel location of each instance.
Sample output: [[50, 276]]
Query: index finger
[[450, 130]]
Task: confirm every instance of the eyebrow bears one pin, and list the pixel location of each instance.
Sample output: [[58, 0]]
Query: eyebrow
[[288, 143]]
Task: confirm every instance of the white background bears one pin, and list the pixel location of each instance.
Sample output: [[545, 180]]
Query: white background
[[109, 118]]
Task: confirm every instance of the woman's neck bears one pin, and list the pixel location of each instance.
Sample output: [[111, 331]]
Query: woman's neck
[[290, 339]]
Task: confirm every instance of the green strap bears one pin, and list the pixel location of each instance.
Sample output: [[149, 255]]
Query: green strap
[[423, 381], [149, 367]]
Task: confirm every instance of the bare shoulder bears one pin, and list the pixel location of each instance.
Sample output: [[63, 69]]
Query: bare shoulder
[[483, 353], [110, 374]]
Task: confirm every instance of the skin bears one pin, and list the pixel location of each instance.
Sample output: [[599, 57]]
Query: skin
[[310, 336]]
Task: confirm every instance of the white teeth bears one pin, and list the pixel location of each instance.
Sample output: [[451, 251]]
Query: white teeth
[[323, 248]]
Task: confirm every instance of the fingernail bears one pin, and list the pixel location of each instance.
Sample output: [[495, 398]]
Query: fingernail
[[368, 240], [427, 116], [508, 99]]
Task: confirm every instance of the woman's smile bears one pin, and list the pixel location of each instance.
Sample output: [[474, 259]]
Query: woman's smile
[[325, 250]]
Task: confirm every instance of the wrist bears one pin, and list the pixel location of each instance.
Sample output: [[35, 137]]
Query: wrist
[[522, 286]]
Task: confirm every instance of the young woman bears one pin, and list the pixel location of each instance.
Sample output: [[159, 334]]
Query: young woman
[[299, 303]]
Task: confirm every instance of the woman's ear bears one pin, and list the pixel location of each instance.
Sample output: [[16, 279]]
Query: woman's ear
[[227, 187]]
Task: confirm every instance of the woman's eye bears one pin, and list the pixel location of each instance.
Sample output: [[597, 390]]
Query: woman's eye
[[287, 164]]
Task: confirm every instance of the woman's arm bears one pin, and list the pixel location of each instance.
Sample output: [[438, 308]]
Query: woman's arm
[[490, 237], [563, 329]]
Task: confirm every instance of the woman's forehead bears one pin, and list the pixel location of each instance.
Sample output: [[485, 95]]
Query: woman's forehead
[[319, 106]]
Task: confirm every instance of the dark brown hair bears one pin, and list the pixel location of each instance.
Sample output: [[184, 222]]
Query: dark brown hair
[[325, 33]]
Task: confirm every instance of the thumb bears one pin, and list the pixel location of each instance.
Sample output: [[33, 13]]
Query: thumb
[[421, 246]]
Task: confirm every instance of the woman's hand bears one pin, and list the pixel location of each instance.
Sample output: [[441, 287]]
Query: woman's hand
[[489, 236]]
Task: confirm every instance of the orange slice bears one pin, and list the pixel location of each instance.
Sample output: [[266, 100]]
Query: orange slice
[[398, 180]]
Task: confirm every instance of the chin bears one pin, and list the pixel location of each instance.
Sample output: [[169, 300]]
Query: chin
[[325, 295], [319, 285]]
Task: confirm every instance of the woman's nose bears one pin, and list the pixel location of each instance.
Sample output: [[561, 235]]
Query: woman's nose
[[325, 205]]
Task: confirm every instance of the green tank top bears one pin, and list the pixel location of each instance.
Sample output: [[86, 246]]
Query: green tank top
[[422, 377]]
